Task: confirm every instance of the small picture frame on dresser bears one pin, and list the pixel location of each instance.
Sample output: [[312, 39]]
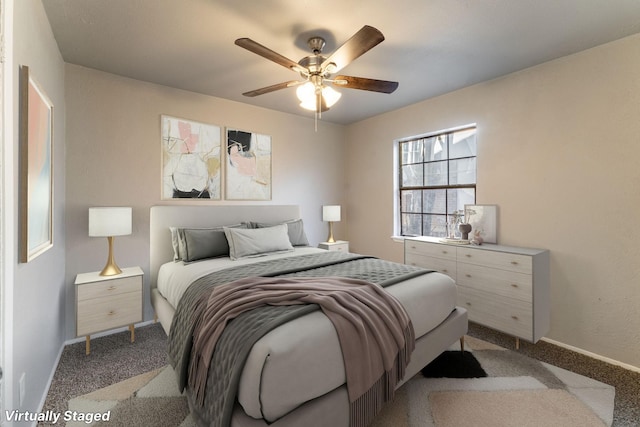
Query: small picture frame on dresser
[[485, 219]]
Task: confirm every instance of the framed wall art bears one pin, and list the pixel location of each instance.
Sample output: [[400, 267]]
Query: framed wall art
[[248, 166], [191, 160], [485, 219], [36, 168]]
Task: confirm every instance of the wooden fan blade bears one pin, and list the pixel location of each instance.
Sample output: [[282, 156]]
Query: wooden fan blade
[[362, 83], [269, 54], [272, 88], [358, 44]]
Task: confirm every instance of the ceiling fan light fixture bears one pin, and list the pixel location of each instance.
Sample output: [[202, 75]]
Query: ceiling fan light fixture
[[306, 93], [330, 96]]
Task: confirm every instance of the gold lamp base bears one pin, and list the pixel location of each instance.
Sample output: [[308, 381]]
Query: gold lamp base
[[331, 239], [111, 268]]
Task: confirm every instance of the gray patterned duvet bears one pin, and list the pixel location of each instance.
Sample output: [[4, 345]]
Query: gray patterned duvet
[[301, 360]]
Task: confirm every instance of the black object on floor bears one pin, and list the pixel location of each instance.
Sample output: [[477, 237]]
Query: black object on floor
[[454, 364]]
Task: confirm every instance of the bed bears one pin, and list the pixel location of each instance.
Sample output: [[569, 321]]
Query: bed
[[294, 374]]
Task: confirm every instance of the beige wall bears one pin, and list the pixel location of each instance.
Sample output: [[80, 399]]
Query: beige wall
[[558, 150], [113, 159]]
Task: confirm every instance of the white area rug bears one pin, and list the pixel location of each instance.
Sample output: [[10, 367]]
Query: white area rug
[[518, 392]]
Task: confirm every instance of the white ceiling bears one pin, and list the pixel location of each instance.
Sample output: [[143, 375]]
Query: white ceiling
[[431, 47]]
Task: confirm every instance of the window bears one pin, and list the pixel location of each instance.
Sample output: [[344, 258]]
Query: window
[[436, 177]]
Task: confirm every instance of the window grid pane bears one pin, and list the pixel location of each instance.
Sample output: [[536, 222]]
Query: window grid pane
[[435, 173]]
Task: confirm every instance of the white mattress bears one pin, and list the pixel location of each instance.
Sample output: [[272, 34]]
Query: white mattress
[[301, 360], [175, 277]]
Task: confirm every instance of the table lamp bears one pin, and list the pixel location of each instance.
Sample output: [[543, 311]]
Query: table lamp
[[331, 213], [110, 222]]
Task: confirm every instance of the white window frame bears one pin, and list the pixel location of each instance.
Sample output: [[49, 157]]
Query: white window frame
[[397, 173]]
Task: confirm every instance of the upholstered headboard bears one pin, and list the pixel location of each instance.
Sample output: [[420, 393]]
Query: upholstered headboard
[[163, 217]]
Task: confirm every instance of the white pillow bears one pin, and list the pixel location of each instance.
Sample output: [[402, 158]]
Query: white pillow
[[297, 236], [251, 242]]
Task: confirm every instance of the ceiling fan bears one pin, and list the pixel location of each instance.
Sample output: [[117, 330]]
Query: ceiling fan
[[317, 70]]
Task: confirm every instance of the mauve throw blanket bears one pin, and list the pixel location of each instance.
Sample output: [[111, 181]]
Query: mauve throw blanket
[[375, 333]]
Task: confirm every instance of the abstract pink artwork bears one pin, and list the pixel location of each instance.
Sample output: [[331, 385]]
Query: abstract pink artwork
[[36, 168]]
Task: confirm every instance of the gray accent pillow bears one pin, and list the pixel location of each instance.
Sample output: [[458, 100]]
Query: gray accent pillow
[[295, 229], [192, 244], [251, 242], [201, 244]]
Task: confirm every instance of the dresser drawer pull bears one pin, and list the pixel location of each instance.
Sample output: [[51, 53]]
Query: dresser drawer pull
[[445, 252], [515, 317], [513, 285], [468, 255], [514, 262], [112, 288], [413, 247], [468, 275], [111, 313], [468, 303], [444, 270]]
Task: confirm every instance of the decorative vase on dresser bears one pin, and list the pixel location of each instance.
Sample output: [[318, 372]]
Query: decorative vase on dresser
[[465, 229], [502, 287]]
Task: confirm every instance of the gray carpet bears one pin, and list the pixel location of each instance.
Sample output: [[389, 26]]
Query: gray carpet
[[114, 359]]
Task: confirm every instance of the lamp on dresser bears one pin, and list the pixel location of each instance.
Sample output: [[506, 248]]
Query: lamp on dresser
[[331, 214], [110, 222]]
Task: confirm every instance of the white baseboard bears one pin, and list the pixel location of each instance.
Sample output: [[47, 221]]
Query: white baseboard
[[592, 355], [49, 381]]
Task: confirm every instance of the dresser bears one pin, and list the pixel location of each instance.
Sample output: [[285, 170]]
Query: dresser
[[108, 302], [502, 287]]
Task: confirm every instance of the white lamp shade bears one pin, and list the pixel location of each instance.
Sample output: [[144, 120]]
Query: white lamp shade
[[109, 221], [307, 95], [331, 213], [330, 97]]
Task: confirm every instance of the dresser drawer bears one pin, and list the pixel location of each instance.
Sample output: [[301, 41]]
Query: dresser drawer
[[109, 287], [508, 315], [441, 265], [495, 281], [502, 260], [430, 249], [100, 314]]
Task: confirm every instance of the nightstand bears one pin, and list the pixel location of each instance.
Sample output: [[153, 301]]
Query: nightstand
[[338, 245], [108, 302]]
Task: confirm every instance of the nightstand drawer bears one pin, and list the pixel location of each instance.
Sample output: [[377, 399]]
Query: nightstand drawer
[[108, 288], [100, 314], [499, 282], [339, 245], [502, 260]]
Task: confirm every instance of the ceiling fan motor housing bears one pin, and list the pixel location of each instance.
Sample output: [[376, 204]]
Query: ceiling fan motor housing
[[312, 64]]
